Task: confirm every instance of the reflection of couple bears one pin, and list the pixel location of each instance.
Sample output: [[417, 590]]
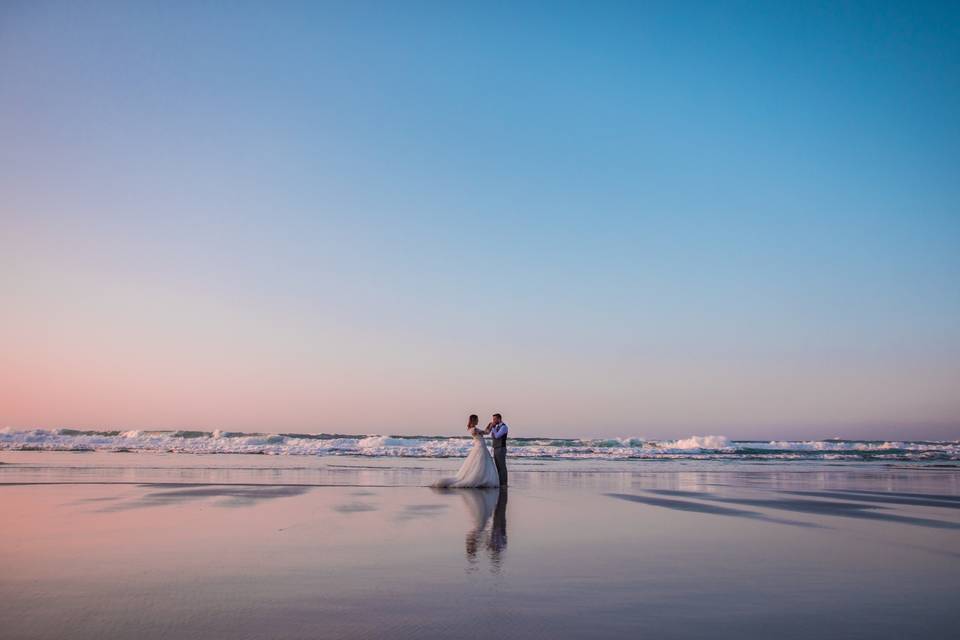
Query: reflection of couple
[[480, 504], [480, 469]]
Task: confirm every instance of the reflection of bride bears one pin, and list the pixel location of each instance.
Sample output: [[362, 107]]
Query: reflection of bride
[[479, 469]]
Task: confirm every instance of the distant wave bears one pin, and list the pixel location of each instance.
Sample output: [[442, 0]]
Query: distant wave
[[693, 447]]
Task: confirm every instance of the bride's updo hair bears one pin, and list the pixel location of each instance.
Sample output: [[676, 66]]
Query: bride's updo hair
[[472, 421]]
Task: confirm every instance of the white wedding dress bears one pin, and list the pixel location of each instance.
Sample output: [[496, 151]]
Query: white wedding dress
[[478, 470]]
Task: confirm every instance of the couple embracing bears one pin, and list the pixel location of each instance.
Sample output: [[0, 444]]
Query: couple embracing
[[480, 469]]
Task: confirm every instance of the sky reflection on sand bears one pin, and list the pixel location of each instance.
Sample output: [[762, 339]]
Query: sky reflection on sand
[[821, 507], [685, 505], [225, 495], [312, 551]]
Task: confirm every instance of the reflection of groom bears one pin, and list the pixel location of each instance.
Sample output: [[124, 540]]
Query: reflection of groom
[[498, 431], [498, 533]]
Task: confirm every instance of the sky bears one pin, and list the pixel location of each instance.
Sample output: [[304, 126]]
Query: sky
[[599, 219]]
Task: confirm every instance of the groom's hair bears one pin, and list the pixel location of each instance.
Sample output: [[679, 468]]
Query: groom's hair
[[497, 415], [474, 416]]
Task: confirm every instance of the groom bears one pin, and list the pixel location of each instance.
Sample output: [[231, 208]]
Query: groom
[[498, 431]]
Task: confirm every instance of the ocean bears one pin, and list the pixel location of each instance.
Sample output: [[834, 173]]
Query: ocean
[[710, 447]]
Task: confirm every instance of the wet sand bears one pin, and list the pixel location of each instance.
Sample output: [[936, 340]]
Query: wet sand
[[154, 546]]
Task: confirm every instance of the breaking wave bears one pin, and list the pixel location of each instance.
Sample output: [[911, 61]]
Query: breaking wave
[[693, 447]]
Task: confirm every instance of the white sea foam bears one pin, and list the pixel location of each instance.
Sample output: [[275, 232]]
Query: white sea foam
[[372, 442], [710, 443], [696, 447]]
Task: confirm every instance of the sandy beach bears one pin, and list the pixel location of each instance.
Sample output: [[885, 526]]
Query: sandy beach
[[197, 546]]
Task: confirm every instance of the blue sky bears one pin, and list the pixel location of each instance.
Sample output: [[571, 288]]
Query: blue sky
[[597, 218]]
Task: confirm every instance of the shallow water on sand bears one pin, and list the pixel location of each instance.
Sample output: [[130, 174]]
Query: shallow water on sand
[[181, 546]]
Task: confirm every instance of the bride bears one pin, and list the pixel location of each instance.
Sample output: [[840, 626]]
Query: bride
[[478, 470]]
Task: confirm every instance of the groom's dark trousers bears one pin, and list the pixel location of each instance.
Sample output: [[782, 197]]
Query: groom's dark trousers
[[500, 458]]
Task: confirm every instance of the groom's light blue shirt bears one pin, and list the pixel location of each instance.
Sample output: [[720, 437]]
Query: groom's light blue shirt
[[500, 430]]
